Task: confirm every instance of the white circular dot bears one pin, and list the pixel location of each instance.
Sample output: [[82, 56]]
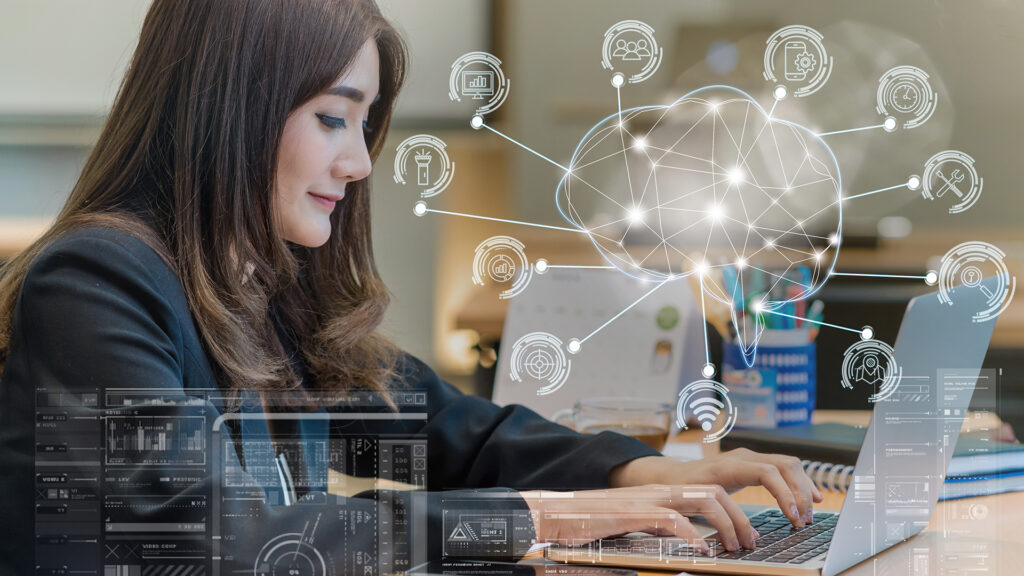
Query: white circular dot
[[914, 182], [889, 124], [618, 79], [574, 345], [867, 333], [476, 122], [541, 266], [420, 208], [708, 370], [931, 277], [780, 92]]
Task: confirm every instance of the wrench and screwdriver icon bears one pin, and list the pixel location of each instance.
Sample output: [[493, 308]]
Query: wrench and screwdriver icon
[[956, 177]]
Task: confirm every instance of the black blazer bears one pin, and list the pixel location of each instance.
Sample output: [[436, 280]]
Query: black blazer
[[99, 308]]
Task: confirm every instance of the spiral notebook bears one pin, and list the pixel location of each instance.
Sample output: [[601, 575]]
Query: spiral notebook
[[829, 452]]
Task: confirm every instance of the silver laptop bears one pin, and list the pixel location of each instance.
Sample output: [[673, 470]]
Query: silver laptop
[[897, 479]]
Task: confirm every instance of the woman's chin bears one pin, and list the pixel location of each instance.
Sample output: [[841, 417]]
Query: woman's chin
[[311, 236]]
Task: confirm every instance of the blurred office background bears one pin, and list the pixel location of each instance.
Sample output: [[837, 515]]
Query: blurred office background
[[61, 61]]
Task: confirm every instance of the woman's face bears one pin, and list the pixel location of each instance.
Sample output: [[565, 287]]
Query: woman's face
[[322, 149]]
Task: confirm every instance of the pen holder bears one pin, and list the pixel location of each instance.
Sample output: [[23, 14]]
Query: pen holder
[[787, 358]]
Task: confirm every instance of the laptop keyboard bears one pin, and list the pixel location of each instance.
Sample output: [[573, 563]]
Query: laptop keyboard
[[779, 542]]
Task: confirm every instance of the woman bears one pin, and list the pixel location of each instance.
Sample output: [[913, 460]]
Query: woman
[[214, 258]]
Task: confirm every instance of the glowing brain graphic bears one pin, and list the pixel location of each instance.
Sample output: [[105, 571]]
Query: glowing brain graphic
[[709, 181]]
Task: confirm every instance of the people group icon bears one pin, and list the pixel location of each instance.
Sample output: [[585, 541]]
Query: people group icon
[[632, 50]]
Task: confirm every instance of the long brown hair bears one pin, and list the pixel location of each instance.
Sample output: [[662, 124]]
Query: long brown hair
[[186, 161]]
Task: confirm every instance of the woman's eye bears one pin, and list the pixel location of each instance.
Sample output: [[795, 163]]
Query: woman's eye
[[331, 121]]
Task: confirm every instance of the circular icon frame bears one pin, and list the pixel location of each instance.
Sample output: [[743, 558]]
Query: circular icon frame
[[805, 60], [904, 91], [703, 407], [423, 147], [613, 43], [959, 270], [501, 259], [865, 350], [493, 81], [539, 357], [936, 184]]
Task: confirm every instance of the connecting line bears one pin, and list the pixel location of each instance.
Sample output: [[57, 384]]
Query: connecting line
[[904, 185], [878, 275], [704, 317], [573, 266], [852, 130], [772, 111], [506, 221], [766, 311], [627, 309], [618, 96], [525, 147]]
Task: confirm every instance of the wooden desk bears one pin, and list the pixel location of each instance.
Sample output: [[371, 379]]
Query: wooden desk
[[953, 544]]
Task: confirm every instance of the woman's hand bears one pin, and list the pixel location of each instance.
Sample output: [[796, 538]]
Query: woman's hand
[[783, 476], [656, 509]]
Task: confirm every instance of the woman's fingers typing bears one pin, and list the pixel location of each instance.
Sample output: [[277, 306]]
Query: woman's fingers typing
[[655, 509]]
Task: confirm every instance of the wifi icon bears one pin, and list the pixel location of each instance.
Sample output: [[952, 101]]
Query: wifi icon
[[707, 402], [706, 411]]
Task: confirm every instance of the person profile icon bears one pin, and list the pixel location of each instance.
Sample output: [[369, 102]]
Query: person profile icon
[[621, 49], [869, 371], [642, 49]]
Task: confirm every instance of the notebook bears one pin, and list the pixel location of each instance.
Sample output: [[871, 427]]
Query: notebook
[[829, 451]]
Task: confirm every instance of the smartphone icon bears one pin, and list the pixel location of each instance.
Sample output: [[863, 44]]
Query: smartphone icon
[[792, 50]]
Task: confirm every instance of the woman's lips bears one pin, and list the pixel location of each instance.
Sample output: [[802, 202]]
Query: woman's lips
[[326, 200]]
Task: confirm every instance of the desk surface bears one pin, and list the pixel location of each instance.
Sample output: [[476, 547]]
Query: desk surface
[[953, 544]]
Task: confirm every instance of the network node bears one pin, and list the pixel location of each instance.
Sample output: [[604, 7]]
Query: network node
[[420, 208], [541, 266], [914, 182], [867, 333], [708, 370], [574, 345], [833, 239], [636, 215], [639, 143], [741, 263], [618, 79], [736, 175], [780, 92], [931, 278], [476, 122], [889, 124]]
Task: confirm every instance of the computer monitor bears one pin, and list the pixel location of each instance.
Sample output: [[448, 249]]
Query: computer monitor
[[477, 84]]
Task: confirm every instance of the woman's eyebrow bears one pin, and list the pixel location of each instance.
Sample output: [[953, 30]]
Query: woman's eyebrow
[[353, 94]]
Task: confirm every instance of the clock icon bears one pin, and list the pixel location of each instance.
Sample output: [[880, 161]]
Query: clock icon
[[905, 96]]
